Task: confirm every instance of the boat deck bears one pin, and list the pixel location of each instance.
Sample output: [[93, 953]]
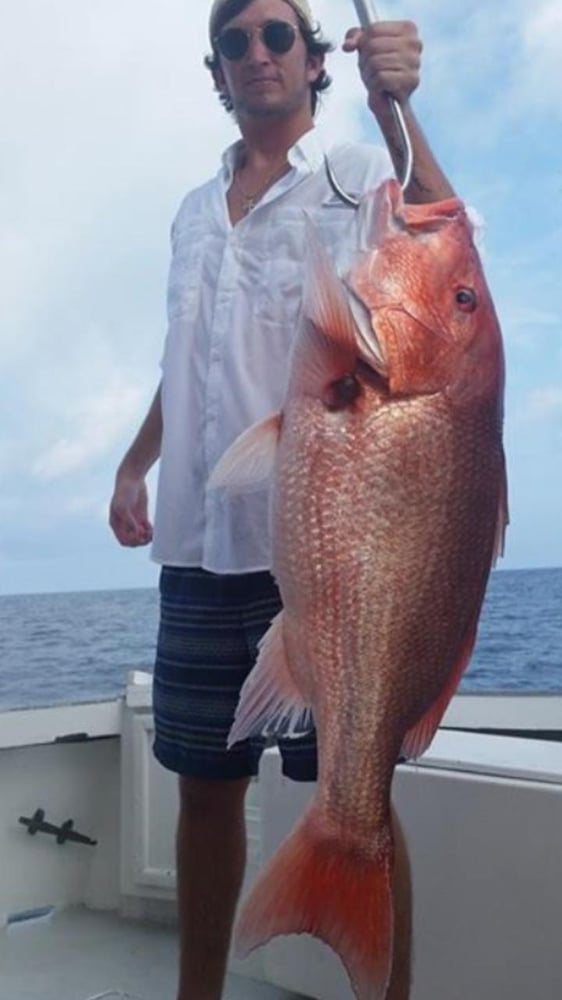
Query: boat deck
[[82, 955]]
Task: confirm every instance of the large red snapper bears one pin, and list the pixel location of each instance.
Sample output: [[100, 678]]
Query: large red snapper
[[389, 505]]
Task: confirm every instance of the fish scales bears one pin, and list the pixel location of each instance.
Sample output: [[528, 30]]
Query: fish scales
[[387, 561]]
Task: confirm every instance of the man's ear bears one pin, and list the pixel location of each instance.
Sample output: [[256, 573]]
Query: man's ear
[[315, 66], [219, 81]]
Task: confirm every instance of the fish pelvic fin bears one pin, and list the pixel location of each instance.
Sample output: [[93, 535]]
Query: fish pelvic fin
[[249, 461], [316, 885], [270, 700]]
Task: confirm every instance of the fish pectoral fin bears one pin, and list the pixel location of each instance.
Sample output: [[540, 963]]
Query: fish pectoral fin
[[337, 329], [270, 701], [249, 461], [369, 346], [420, 736], [325, 298]]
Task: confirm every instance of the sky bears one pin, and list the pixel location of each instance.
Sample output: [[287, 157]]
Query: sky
[[108, 117]]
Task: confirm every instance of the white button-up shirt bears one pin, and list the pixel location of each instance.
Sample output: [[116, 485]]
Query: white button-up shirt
[[234, 296]]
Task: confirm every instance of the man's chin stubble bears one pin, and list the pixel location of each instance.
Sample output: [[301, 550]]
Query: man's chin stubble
[[249, 110]]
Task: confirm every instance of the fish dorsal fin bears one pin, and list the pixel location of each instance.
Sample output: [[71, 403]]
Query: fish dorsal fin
[[420, 736], [503, 516], [249, 461]]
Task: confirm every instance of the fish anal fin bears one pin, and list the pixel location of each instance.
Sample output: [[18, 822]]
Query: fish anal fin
[[249, 461], [320, 886], [270, 700]]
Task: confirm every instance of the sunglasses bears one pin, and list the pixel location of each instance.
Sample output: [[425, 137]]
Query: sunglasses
[[278, 36]]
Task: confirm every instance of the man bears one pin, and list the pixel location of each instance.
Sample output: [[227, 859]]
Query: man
[[234, 294]]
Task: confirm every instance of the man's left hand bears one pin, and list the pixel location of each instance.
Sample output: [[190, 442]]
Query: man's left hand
[[389, 60]]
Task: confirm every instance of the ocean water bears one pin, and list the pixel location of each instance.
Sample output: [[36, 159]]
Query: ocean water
[[78, 647]]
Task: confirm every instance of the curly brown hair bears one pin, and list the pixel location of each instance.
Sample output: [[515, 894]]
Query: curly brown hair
[[316, 45]]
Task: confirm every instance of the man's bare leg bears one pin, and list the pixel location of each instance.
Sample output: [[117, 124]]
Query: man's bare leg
[[400, 980], [211, 859]]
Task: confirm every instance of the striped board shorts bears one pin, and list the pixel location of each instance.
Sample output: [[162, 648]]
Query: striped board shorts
[[210, 627]]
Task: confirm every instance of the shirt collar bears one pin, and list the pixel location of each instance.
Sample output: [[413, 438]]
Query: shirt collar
[[307, 155], [308, 151]]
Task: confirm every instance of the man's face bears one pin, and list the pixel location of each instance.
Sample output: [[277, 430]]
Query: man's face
[[262, 83]]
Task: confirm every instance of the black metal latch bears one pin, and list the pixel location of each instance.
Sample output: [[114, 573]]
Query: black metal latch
[[63, 833]]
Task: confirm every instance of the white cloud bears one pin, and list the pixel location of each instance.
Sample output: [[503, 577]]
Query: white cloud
[[542, 405], [85, 503], [94, 425], [540, 79], [485, 73], [547, 402], [528, 316]]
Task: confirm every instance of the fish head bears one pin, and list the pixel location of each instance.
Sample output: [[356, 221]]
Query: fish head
[[418, 293]]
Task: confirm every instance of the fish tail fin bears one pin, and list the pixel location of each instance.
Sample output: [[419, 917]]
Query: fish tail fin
[[315, 885]]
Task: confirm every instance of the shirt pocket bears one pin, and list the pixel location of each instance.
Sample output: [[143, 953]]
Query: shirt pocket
[[281, 287], [336, 223], [184, 282]]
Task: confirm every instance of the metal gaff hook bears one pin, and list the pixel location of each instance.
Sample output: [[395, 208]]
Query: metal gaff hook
[[367, 15]]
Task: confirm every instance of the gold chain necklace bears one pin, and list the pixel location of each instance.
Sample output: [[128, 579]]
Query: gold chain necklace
[[249, 201]]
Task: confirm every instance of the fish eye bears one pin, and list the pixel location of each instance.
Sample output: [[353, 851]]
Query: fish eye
[[466, 299]]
